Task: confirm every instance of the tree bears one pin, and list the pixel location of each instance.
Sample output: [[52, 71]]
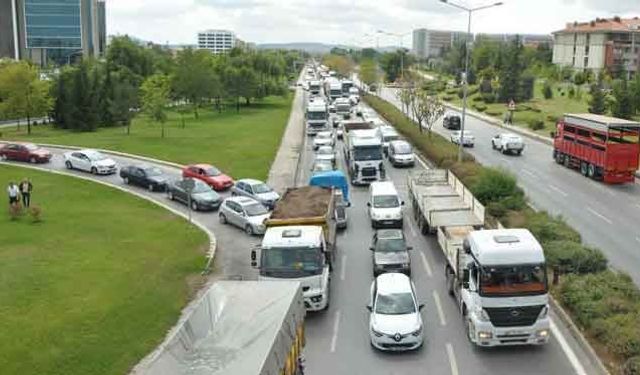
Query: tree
[[340, 63], [597, 104], [622, 106], [368, 72], [393, 64], [404, 94], [23, 93], [634, 91], [194, 78], [155, 96], [510, 83], [123, 103], [426, 109], [547, 91]]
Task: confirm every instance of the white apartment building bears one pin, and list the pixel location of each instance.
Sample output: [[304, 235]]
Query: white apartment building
[[432, 43], [612, 44], [218, 41]]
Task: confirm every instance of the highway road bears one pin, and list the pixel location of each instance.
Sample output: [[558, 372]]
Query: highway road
[[337, 339], [607, 216]]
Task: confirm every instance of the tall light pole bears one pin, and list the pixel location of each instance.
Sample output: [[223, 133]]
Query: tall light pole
[[465, 87]]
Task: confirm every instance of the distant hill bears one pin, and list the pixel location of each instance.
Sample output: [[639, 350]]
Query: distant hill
[[315, 47]]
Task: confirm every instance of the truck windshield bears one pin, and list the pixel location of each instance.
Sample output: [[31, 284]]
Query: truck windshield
[[336, 92], [316, 115], [291, 262], [513, 280], [367, 153], [395, 304]]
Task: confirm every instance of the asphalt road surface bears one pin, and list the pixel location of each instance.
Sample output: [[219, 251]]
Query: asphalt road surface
[[607, 216], [337, 339]]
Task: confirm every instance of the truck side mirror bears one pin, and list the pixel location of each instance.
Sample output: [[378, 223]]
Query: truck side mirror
[[465, 279], [371, 248], [370, 308], [409, 247], [420, 307], [368, 204], [466, 247], [254, 262], [402, 203]]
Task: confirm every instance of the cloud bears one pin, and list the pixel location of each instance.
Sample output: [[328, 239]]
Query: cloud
[[343, 21]]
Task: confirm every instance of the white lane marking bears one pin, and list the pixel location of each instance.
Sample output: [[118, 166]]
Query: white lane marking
[[452, 359], [426, 264], [424, 165], [336, 326], [557, 190], [571, 356], [601, 216], [343, 268], [526, 171], [436, 298]]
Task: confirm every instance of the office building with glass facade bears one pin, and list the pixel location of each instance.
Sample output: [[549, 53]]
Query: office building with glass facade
[[52, 31]]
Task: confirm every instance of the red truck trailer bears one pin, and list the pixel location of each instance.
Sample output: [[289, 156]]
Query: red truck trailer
[[601, 147]]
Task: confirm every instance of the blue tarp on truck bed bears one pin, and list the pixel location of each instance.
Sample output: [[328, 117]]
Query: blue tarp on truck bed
[[335, 179]]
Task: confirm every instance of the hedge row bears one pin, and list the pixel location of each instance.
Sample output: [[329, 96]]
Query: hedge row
[[605, 303]]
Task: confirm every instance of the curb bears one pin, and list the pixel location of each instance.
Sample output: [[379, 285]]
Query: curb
[[577, 335], [212, 238]]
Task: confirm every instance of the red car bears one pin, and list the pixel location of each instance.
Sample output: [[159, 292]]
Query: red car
[[25, 152], [208, 174]]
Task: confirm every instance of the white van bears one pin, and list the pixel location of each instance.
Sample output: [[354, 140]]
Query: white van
[[384, 205]]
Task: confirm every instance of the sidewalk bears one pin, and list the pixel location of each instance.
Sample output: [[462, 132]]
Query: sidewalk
[[284, 167]]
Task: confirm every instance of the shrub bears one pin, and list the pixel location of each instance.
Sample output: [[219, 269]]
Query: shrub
[[572, 92], [579, 78], [489, 98], [620, 334], [494, 185], [451, 91], [552, 118], [547, 92], [479, 107], [461, 93], [632, 366], [547, 228], [573, 257], [447, 98], [493, 113], [535, 124], [477, 99]]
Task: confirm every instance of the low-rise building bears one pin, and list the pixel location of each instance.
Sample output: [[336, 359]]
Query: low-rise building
[[218, 41], [610, 44]]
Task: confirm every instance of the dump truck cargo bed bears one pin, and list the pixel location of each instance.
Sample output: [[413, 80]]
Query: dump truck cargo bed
[[302, 202]]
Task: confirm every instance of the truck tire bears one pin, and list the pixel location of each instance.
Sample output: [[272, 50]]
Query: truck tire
[[566, 159], [583, 168], [449, 281], [591, 171]]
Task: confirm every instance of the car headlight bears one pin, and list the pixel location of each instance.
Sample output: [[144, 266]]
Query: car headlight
[[376, 333], [482, 315], [417, 332]]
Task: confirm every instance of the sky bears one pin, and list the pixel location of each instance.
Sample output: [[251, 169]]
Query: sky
[[349, 22]]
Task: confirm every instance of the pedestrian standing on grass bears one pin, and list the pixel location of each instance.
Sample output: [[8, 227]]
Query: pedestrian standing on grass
[[25, 190], [13, 192]]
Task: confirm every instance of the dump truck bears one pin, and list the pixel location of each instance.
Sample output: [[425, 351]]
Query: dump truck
[[235, 328], [299, 242], [497, 277], [440, 199]]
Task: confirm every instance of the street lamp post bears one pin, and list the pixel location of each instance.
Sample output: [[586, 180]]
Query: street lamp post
[[465, 87]]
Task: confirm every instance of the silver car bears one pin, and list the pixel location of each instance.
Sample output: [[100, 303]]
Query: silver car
[[326, 153], [245, 213], [257, 190]]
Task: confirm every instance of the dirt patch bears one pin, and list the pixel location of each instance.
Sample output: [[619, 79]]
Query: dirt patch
[[306, 201]]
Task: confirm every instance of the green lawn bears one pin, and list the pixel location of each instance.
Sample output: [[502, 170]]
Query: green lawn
[[241, 144], [95, 285]]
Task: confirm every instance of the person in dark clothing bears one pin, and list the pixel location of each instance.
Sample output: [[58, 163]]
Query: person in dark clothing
[[25, 190]]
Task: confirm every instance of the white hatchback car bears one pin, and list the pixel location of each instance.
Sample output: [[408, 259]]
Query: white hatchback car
[[324, 138], [90, 161], [244, 212], [395, 323], [468, 140]]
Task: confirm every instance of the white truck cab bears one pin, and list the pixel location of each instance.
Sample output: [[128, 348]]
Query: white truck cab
[[298, 253], [317, 116], [363, 154], [384, 205], [503, 288]]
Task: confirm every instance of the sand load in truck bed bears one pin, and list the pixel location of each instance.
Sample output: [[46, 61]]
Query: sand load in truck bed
[[306, 201]]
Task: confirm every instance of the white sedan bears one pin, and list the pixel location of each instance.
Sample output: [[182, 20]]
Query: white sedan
[[324, 138], [508, 143], [90, 161], [395, 323], [468, 140]]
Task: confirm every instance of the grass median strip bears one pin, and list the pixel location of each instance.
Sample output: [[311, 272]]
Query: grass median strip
[[241, 144], [95, 285], [597, 298]]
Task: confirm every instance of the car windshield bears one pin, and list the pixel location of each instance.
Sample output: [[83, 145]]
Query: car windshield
[[316, 115], [95, 156], [200, 187], [153, 172], [395, 304], [323, 136], [367, 153], [255, 209], [403, 148], [261, 188], [31, 147], [291, 262], [322, 166], [513, 281], [211, 171], [385, 201], [390, 245]]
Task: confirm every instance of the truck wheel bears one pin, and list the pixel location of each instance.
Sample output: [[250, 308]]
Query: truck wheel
[[493, 145], [449, 282], [470, 330], [566, 159], [504, 150], [583, 168], [591, 171], [519, 152]]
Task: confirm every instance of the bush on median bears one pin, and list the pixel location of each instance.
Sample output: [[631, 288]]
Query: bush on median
[[572, 257], [632, 366]]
